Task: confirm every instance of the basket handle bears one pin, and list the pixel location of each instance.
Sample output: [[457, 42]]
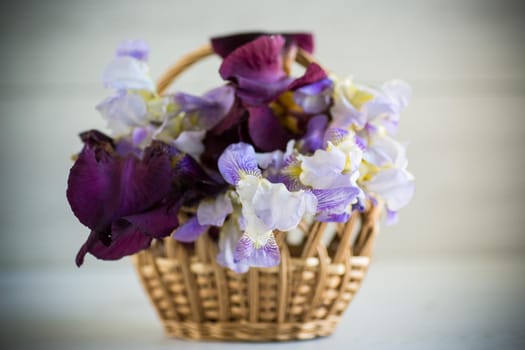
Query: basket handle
[[302, 57]]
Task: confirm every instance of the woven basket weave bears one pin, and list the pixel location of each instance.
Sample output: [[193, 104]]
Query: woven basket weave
[[302, 298]]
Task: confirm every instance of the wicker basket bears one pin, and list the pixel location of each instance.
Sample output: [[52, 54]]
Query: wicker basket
[[303, 298]]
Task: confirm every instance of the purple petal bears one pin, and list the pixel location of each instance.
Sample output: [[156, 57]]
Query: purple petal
[[189, 231], [360, 142], [228, 239], [335, 135], [359, 205], [265, 130], [210, 108], [125, 240], [138, 49], [313, 139], [332, 217], [266, 256], [317, 87], [244, 249], [391, 217], [314, 98], [224, 45], [236, 160], [139, 135], [335, 200]]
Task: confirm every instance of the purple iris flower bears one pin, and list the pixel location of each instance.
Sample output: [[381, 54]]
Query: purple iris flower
[[256, 71], [122, 199]]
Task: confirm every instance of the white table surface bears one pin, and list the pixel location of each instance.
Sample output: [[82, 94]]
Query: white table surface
[[451, 304]]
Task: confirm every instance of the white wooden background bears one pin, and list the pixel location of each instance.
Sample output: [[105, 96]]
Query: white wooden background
[[465, 60]]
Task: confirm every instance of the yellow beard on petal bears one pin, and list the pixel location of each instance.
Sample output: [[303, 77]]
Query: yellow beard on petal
[[283, 108], [367, 171]]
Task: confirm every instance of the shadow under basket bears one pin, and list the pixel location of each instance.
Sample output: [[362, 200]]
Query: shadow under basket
[[302, 298]]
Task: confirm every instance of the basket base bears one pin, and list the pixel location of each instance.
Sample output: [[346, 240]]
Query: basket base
[[250, 332]]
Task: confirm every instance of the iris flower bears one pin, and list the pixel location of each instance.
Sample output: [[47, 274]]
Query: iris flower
[[266, 206], [256, 71], [127, 198], [122, 199], [364, 107]]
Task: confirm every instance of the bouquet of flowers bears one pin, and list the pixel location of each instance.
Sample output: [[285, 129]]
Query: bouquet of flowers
[[248, 159]]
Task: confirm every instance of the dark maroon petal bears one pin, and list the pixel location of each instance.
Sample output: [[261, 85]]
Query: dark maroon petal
[[143, 183], [265, 130], [304, 40], [256, 93], [103, 187], [126, 240], [256, 70], [215, 144], [224, 45], [193, 182], [91, 186], [259, 60], [95, 138], [92, 239], [157, 223], [233, 117], [313, 73]]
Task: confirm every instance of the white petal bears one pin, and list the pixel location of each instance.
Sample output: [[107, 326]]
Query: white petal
[[123, 112], [324, 169], [264, 160], [343, 112], [190, 142], [214, 211], [385, 151], [395, 186], [399, 91], [126, 72], [254, 226], [228, 239], [279, 208]]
